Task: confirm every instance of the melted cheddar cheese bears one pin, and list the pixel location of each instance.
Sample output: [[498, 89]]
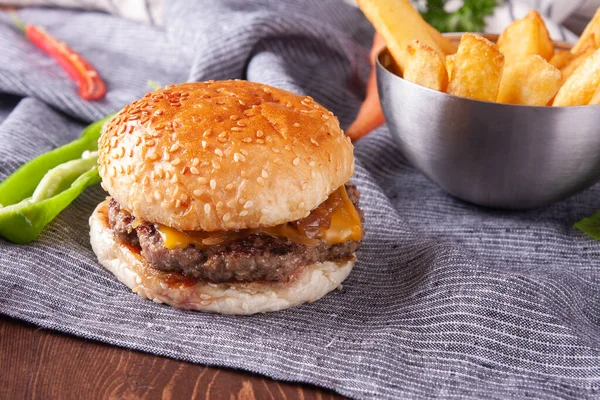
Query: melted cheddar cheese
[[345, 225]]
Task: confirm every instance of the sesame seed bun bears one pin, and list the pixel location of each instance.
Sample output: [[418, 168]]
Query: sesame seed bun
[[133, 270], [223, 155]]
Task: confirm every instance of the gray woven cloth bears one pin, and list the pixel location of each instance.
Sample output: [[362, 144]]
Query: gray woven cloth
[[448, 300]]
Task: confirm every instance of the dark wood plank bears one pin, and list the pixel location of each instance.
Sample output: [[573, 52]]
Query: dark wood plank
[[41, 364]]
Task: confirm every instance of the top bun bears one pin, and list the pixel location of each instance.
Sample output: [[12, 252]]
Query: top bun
[[223, 155]]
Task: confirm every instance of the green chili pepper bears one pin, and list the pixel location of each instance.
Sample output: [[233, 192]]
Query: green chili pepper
[[39, 190]]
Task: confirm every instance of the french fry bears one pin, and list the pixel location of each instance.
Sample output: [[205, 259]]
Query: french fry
[[589, 42], [591, 30], [399, 23], [525, 37], [561, 58], [596, 97], [581, 86], [576, 61], [447, 46], [425, 67], [531, 81], [477, 69], [450, 64]]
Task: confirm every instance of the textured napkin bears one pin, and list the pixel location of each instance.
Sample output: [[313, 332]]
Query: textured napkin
[[447, 300]]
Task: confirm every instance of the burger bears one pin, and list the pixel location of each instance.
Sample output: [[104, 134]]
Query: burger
[[229, 196]]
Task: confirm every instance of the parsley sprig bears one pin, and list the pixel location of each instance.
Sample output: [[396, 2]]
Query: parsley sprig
[[470, 17]]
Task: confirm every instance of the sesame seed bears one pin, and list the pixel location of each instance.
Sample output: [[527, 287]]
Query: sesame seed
[[138, 140], [240, 123], [213, 184], [296, 125], [260, 181], [259, 133], [202, 180], [260, 141], [241, 102], [157, 195], [312, 163], [243, 213], [184, 197], [265, 174], [194, 170], [222, 139], [248, 204], [216, 165], [207, 132], [219, 205], [207, 208], [237, 157], [234, 117], [174, 179], [243, 173], [236, 129], [145, 180], [227, 217], [296, 161], [247, 140], [325, 116], [112, 172], [176, 161], [178, 203], [244, 152], [166, 156], [219, 152], [174, 147], [152, 156], [313, 141], [184, 170], [195, 162], [229, 186], [204, 144], [197, 193], [150, 143]]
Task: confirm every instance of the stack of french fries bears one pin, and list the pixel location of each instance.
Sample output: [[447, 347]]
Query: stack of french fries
[[523, 67]]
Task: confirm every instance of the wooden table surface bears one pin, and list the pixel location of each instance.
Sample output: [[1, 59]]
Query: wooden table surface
[[42, 364]]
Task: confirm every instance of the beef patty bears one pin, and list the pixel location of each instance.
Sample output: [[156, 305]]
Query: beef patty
[[249, 258]]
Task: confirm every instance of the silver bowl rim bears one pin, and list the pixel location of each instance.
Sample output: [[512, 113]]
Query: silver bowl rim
[[492, 37]]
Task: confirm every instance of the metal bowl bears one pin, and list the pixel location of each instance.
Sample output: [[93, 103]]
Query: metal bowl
[[491, 154]]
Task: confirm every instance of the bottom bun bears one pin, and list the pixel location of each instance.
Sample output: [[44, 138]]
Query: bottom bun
[[126, 263]]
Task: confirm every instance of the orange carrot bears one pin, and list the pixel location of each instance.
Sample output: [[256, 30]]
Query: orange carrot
[[370, 115]]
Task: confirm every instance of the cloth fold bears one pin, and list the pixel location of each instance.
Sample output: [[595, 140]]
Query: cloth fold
[[447, 299]]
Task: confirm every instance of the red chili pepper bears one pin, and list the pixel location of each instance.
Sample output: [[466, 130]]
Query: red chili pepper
[[91, 86]]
